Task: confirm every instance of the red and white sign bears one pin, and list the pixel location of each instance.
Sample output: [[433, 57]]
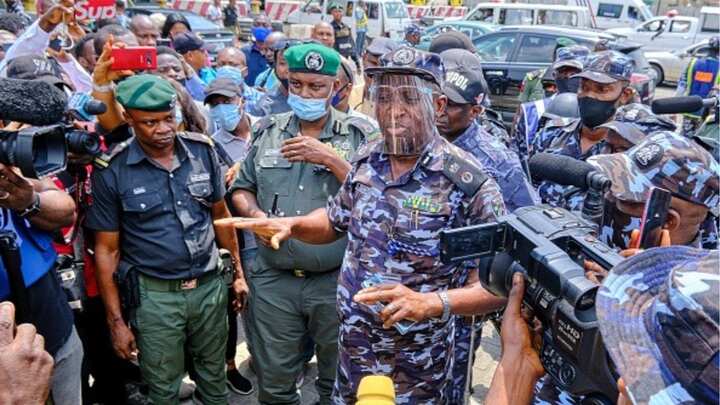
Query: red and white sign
[[418, 12], [201, 7], [449, 11], [95, 9], [279, 10]]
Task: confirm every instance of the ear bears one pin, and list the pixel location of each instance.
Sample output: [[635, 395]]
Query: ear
[[672, 223], [127, 118], [476, 111], [627, 95], [440, 103]]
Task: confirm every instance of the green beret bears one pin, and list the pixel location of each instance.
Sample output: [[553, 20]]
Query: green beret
[[146, 92], [313, 58]]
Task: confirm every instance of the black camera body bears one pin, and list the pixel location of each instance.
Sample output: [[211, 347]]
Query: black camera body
[[549, 246]]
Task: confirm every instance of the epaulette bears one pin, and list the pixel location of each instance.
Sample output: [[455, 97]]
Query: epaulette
[[363, 152], [103, 160], [465, 175], [566, 124], [197, 137], [263, 124], [369, 129]]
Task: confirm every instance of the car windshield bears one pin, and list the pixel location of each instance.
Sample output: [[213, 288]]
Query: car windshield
[[710, 23], [396, 10], [557, 17], [495, 48], [198, 23]]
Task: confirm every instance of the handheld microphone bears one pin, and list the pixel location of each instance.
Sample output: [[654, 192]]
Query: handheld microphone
[[679, 105], [31, 102], [376, 390]]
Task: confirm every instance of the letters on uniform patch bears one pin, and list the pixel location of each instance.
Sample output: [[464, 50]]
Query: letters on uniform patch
[[139, 190], [344, 149], [423, 203], [648, 155], [199, 177], [457, 80]]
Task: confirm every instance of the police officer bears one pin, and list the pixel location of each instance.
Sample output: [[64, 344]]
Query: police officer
[[377, 48], [701, 75], [458, 124], [297, 161], [412, 35], [402, 191], [604, 86], [568, 61], [159, 192], [631, 124], [532, 84], [344, 43], [275, 100]]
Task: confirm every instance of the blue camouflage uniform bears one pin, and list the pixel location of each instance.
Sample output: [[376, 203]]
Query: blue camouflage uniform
[[527, 121], [658, 314]]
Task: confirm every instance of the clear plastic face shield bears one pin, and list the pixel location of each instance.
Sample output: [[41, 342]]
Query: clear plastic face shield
[[405, 112]]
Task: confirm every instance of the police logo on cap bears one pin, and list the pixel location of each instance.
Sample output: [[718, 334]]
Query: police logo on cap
[[404, 56], [314, 61], [648, 155]]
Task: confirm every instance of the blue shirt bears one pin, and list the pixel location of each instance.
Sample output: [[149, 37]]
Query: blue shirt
[[207, 75], [256, 63], [267, 79], [501, 164]]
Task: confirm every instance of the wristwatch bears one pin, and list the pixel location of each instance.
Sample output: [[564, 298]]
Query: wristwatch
[[446, 306], [31, 209]]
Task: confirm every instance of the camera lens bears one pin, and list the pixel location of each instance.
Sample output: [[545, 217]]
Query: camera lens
[[83, 143], [37, 151]]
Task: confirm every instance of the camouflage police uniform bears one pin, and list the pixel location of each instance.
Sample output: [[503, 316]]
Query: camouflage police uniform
[[393, 226], [658, 316]]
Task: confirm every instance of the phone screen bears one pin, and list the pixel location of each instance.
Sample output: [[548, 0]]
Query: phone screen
[[654, 217]]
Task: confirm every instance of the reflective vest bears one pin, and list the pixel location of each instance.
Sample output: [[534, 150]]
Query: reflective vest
[[36, 251], [702, 76]]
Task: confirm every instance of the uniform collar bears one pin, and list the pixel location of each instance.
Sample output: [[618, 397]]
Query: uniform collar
[[333, 125], [431, 158], [136, 154], [466, 135]]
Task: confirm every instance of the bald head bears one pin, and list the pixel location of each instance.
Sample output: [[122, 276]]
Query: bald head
[[145, 30], [233, 57], [324, 33]]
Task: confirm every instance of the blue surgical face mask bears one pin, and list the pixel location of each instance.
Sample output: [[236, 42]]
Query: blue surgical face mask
[[227, 116], [336, 97], [308, 109]]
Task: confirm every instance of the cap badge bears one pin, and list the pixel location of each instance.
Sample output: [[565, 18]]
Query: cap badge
[[648, 155], [314, 61], [403, 56]]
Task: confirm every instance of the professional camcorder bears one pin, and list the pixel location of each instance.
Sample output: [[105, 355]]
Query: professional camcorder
[[548, 245]]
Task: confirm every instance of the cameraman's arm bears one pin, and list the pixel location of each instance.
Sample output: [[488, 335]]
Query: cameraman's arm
[[57, 208], [519, 367]]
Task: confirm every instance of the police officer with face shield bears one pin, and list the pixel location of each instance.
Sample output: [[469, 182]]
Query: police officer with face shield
[[297, 161], [395, 298], [604, 86]]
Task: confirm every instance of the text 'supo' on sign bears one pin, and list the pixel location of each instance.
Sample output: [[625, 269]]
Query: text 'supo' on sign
[[95, 9]]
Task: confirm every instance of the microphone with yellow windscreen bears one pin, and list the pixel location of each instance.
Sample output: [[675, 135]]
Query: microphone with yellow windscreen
[[376, 390]]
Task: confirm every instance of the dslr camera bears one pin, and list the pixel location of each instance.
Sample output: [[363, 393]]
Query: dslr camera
[[548, 245]]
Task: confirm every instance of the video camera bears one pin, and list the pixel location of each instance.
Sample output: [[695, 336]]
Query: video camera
[[42, 150], [548, 245]]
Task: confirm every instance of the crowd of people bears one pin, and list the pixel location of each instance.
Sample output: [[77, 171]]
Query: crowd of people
[[302, 184]]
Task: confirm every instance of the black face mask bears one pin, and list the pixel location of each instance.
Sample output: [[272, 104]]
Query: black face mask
[[594, 112], [570, 85]]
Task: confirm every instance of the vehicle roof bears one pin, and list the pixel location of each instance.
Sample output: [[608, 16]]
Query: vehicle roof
[[466, 22], [531, 6], [710, 10], [557, 30]]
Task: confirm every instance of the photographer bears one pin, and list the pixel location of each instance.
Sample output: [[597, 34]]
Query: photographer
[[30, 210]]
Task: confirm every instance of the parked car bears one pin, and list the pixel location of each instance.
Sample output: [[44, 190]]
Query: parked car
[[531, 14], [215, 38], [669, 65], [673, 33], [511, 52], [472, 29]]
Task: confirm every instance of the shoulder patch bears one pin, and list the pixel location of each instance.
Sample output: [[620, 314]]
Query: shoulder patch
[[363, 152], [263, 124], [368, 128], [197, 137], [103, 160], [466, 176]]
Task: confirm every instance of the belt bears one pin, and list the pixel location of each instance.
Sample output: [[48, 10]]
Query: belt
[[158, 284], [309, 274]]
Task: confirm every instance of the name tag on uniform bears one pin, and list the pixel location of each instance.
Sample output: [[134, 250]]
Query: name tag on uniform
[[199, 177], [138, 190]]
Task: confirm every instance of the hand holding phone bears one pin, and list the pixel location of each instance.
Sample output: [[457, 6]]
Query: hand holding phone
[[134, 58], [654, 217]]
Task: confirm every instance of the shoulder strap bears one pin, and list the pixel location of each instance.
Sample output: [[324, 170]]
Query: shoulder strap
[[103, 161], [466, 176], [223, 154], [262, 125], [197, 137], [369, 130], [364, 151]]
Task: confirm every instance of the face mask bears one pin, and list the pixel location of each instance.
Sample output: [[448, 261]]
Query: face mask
[[227, 116], [337, 98], [308, 109], [617, 226], [594, 112], [568, 85], [285, 83]]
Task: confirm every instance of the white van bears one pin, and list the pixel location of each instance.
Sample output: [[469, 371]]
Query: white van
[[530, 14], [607, 13], [385, 17]]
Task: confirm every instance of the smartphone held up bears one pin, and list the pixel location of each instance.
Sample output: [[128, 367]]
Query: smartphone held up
[[134, 58]]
